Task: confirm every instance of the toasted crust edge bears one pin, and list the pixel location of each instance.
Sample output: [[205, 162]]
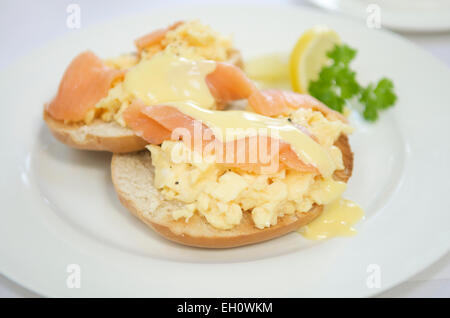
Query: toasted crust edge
[[68, 134], [285, 225], [120, 143]]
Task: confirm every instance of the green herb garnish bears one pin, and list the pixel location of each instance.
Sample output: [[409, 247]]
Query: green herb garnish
[[337, 84]]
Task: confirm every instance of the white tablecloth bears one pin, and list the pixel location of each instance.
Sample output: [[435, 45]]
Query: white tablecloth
[[26, 24]]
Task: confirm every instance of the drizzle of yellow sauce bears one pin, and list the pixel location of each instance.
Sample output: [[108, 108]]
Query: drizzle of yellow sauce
[[337, 219], [328, 190], [237, 124], [172, 80]]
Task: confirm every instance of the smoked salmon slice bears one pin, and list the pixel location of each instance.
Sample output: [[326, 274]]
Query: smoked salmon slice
[[145, 126], [154, 37], [85, 81], [157, 123], [228, 83], [180, 125], [268, 161], [274, 102]]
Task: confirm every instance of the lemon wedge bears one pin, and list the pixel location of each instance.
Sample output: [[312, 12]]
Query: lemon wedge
[[309, 56]]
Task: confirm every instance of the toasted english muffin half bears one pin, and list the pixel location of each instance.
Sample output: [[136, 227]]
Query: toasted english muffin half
[[133, 179], [105, 136]]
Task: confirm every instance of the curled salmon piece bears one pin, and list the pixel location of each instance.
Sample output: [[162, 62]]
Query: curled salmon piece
[[154, 37], [146, 127], [228, 83], [274, 102], [158, 123], [85, 81], [179, 125]]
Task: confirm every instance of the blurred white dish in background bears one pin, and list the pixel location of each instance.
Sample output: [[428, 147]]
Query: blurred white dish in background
[[401, 15]]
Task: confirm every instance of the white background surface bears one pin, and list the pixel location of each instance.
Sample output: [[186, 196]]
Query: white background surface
[[27, 24]]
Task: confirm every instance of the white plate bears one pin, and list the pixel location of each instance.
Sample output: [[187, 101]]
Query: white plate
[[402, 15], [59, 207]]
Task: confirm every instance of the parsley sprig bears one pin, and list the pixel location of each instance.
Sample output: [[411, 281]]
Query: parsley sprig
[[337, 83]]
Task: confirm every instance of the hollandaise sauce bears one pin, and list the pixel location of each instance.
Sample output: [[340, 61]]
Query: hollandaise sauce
[[337, 219], [172, 80]]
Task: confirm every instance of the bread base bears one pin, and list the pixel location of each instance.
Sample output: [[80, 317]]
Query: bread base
[[97, 136], [133, 176]]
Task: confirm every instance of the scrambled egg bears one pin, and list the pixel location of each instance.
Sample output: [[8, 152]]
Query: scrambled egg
[[223, 195], [191, 40], [122, 62], [113, 105], [324, 130], [197, 41]]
